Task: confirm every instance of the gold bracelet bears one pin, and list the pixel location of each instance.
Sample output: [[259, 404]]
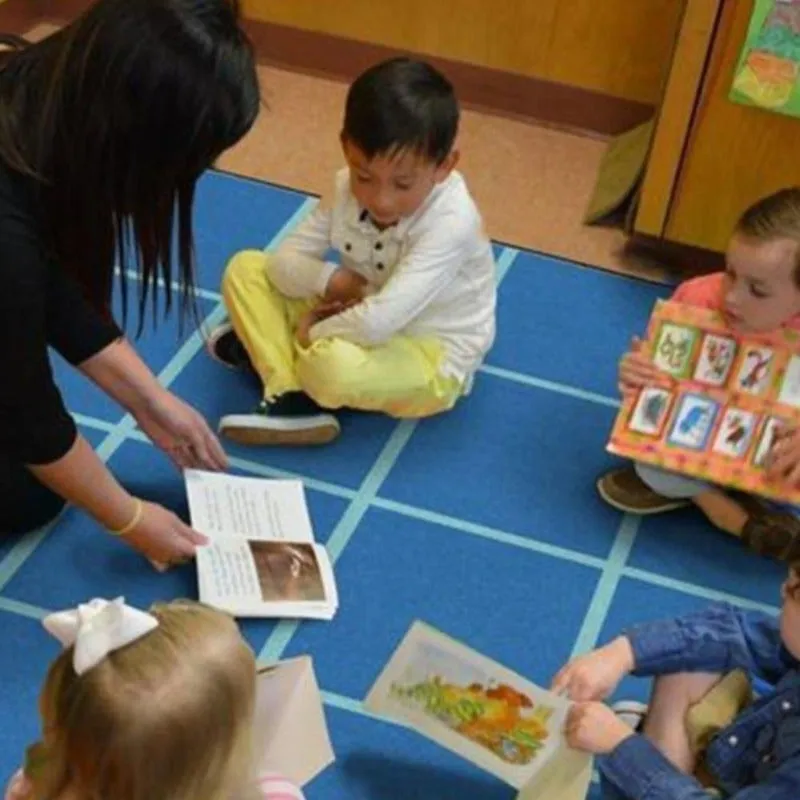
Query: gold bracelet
[[137, 516]]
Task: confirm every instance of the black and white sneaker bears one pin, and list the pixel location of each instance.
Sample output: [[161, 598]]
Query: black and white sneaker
[[225, 347], [291, 419], [631, 712]]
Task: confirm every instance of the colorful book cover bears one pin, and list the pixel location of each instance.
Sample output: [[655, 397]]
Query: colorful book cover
[[729, 394], [482, 711], [768, 72]]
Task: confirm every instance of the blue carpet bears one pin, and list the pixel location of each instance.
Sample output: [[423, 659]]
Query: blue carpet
[[484, 521]]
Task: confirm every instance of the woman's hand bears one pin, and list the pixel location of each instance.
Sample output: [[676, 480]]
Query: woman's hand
[[595, 728], [594, 676], [162, 537], [182, 433], [170, 423], [636, 371]]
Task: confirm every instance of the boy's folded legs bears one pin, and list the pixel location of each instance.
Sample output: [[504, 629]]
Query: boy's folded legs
[[260, 338], [401, 377], [645, 490], [292, 418]]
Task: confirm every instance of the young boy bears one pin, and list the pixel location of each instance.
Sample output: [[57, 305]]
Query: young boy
[[403, 323], [759, 292], [704, 727]]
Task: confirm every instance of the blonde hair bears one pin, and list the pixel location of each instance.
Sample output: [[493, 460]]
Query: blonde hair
[[168, 716], [776, 216]]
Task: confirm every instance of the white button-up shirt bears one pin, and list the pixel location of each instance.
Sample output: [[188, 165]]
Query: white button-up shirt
[[431, 274]]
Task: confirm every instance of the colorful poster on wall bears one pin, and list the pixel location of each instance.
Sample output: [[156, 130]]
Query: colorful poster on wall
[[768, 72]]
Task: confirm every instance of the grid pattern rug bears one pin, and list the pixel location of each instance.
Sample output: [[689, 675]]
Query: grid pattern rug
[[483, 522]]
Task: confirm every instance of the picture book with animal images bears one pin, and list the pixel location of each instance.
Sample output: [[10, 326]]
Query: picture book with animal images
[[262, 560], [730, 395], [483, 712]]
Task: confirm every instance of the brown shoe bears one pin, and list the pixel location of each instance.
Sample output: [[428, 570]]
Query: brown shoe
[[626, 491], [771, 532]]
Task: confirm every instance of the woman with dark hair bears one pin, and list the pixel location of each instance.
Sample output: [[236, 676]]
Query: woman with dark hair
[[105, 128]]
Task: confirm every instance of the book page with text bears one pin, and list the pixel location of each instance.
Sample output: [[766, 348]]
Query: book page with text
[[251, 508]]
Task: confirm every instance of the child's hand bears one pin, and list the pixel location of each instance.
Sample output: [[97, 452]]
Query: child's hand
[[345, 286], [594, 676], [20, 787], [317, 314], [783, 462], [595, 728], [302, 333], [326, 309], [636, 370]]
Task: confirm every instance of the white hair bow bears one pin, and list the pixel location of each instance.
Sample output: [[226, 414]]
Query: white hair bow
[[98, 628]]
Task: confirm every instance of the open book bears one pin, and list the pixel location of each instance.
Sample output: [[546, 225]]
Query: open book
[[483, 712], [728, 400], [291, 736], [262, 560]]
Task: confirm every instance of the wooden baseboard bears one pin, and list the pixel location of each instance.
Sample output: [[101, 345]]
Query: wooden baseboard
[[683, 260], [481, 88]]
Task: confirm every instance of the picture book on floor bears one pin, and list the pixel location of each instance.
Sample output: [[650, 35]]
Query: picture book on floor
[[262, 560], [483, 712], [730, 397], [290, 732]]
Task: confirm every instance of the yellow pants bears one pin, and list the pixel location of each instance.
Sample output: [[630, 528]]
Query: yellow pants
[[401, 377]]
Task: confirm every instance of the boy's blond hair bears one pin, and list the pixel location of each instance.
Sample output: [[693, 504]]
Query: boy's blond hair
[[169, 716], [776, 216]]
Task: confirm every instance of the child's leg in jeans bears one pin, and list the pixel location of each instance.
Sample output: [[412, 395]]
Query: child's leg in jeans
[[264, 320], [401, 377]]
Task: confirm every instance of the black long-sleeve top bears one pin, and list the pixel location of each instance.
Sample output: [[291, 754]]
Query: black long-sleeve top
[[39, 306]]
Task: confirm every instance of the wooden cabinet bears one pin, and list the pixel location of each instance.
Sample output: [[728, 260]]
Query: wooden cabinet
[[614, 47], [711, 157]]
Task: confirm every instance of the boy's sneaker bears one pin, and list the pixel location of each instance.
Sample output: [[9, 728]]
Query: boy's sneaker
[[291, 419], [631, 712], [225, 346], [626, 491]]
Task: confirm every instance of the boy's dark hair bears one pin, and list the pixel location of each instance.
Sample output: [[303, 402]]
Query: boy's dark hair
[[402, 104]]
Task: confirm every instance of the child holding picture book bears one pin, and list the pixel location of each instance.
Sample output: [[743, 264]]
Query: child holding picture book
[[759, 292], [705, 731], [147, 705]]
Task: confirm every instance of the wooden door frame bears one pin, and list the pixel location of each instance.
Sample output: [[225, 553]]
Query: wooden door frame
[[676, 115]]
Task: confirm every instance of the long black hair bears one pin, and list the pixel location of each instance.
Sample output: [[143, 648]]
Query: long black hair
[[114, 118]]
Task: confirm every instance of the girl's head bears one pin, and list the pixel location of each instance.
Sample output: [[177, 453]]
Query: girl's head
[[763, 264], [116, 116], [167, 715]]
